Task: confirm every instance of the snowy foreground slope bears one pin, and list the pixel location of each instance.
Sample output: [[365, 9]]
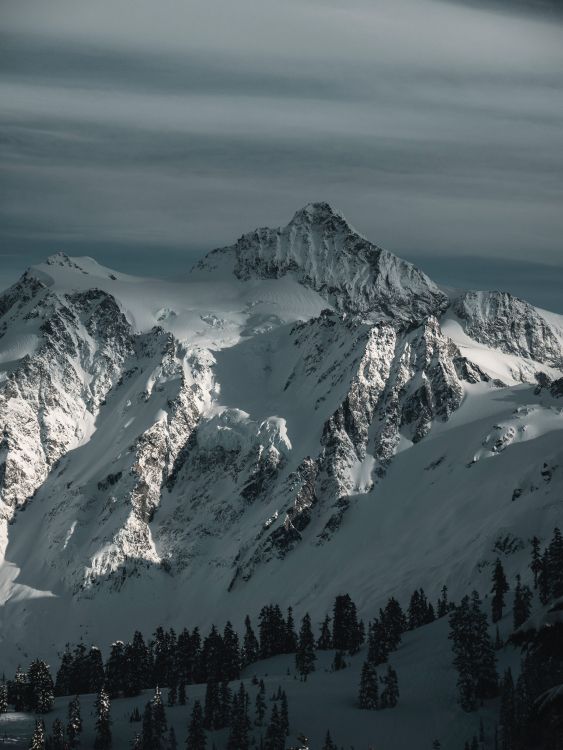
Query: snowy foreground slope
[[302, 415]]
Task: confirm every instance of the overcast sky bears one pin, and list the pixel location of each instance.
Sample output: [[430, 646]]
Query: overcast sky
[[144, 133]]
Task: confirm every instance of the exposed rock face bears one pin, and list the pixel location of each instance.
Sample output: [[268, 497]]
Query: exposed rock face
[[325, 253], [507, 323], [230, 438]]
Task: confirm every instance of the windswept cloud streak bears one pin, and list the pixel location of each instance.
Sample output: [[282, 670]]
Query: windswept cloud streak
[[434, 125]]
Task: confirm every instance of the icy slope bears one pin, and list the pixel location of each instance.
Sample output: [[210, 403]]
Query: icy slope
[[303, 414]]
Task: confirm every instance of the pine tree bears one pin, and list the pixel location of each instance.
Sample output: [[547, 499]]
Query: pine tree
[[211, 708], [442, 607], [305, 656], [390, 693], [116, 670], [225, 700], [103, 722], [346, 631], [62, 680], [378, 648], [94, 675], [324, 642], [544, 582], [74, 725], [275, 736], [474, 656], [3, 698], [57, 736], [284, 715], [38, 738], [196, 733], [393, 622], [499, 589], [368, 697], [250, 649], [158, 719], [231, 654], [147, 736], [328, 743], [522, 603], [507, 712], [338, 661], [260, 707], [498, 640], [291, 636], [240, 723], [41, 687], [535, 564]]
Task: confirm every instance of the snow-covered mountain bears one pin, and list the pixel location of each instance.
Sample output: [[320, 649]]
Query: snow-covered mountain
[[303, 414]]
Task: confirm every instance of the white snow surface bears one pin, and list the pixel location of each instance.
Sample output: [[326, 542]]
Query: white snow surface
[[185, 452]]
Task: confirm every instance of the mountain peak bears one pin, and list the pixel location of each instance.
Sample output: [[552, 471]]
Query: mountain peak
[[323, 252]]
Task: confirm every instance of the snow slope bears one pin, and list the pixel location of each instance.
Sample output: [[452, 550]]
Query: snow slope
[[303, 414]]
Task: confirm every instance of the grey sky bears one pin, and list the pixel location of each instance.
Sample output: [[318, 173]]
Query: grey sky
[[131, 126]]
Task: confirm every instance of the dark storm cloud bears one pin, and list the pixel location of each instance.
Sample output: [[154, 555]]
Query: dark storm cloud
[[435, 127]]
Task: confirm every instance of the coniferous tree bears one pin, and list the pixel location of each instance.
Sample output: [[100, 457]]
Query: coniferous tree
[[57, 736], [498, 640], [305, 657], [328, 743], [116, 670], [147, 736], [442, 608], [231, 654], [378, 648], [535, 564], [260, 706], [225, 701], [137, 742], [196, 734], [250, 649], [240, 723], [390, 692], [42, 691], [507, 712], [3, 698], [158, 719], [103, 721], [94, 670], [275, 736], [346, 630], [291, 635], [62, 680], [211, 704], [338, 662], [393, 622], [284, 714], [544, 584], [499, 589], [38, 738], [324, 642], [522, 603], [474, 656], [74, 724], [368, 697]]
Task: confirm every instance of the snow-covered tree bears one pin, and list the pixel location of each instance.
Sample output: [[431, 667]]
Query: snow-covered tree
[[103, 721]]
